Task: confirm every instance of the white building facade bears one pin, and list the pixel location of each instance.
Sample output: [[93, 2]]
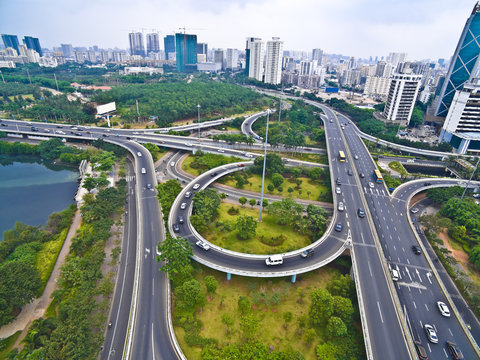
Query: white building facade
[[401, 97], [273, 66], [255, 49]]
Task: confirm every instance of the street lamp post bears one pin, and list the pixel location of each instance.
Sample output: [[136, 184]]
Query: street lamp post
[[264, 164], [469, 180], [198, 108]]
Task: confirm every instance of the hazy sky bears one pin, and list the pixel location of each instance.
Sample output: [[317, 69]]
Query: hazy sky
[[425, 29]]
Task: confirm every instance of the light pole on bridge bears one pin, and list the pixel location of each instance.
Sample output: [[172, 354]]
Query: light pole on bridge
[[198, 108], [264, 164]]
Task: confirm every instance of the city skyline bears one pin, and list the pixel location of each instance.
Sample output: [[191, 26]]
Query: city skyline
[[366, 28]]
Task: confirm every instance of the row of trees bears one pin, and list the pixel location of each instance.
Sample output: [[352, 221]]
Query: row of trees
[[170, 101], [20, 277]]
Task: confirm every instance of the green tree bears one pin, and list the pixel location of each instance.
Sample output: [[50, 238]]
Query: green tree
[[227, 319], [277, 179], [336, 327], [416, 118], [249, 326], [190, 294], [270, 188], [198, 222], [244, 305], [252, 202], [309, 336], [290, 190], [89, 183], [321, 307], [246, 227], [211, 283], [326, 351], [296, 172], [175, 253], [205, 204], [274, 164], [286, 211], [242, 200], [343, 308]]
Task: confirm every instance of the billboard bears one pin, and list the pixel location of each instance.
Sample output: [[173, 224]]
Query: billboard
[[106, 109]]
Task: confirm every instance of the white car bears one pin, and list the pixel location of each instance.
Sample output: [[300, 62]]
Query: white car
[[371, 185], [139, 153], [431, 333], [443, 308], [196, 186], [395, 275], [356, 157], [341, 207], [338, 190], [414, 210], [183, 206], [203, 245], [172, 163], [189, 144], [221, 150]]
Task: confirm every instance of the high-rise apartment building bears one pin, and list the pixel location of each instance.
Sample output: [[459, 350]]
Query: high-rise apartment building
[[462, 124], [396, 58], [317, 54], [202, 48], [10, 41], [232, 59], [377, 87], [401, 97], [153, 43], [273, 65], [33, 43], [186, 52], [464, 64], [67, 50], [219, 57], [254, 58], [306, 67], [136, 44], [169, 45], [384, 69]]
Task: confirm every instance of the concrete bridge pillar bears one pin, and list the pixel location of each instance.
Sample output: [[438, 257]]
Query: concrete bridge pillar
[[294, 278], [229, 276]]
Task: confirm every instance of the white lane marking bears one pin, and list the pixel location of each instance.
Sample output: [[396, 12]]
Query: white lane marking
[[363, 240], [429, 348], [426, 307], [445, 352], [395, 228], [421, 324], [380, 311], [346, 214], [414, 305], [420, 278], [394, 248], [370, 269], [408, 261], [153, 346], [403, 249], [428, 277], [450, 331], [408, 273]]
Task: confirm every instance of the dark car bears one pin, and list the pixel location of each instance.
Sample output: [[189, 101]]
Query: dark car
[[3, 124], [339, 182], [307, 253], [181, 220], [176, 228], [421, 352], [350, 172], [362, 175], [361, 213], [338, 227], [105, 135], [427, 184], [149, 186], [454, 350], [416, 250]]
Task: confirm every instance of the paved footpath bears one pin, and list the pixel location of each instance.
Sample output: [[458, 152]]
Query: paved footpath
[[37, 308]]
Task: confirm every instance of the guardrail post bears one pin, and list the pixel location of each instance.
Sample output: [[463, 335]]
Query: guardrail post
[[229, 276], [294, 278]]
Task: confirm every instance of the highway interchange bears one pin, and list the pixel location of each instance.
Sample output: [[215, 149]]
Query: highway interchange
[[379, 242]]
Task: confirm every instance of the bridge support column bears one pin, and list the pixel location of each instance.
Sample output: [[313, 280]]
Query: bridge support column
[[229, 276], [294, 278]]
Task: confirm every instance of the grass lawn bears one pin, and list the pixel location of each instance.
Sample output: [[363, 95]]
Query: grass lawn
[[268, 228], [307, 186], [46, 258], [273, 331], [27, 96], [6, 344], [186, 166]]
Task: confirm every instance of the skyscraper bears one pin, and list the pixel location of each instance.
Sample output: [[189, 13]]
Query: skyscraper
[[273, 66], [186, 52], [33, 43], [254, 58], [464, 63], [401, 97], [202, 48], [317, 54], [169, 45], [153, 43], [136, 44], [67, 50], [232, 58], [219, 57], [10, 41], [395, 58]]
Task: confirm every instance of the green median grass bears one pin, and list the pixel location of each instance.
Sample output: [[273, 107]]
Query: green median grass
[[7, 344], [309, 189], [268, 228], [273, 331]]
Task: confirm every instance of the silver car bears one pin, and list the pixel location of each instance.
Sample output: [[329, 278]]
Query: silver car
[[183, 206], [203, 245], [431, 333], [442, 307]]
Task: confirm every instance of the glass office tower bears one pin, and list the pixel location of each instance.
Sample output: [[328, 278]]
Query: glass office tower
[[464, 62], [33, 43], [186, 52], [10, 41]]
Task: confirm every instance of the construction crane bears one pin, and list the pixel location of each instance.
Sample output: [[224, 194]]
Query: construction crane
[[185, 29]]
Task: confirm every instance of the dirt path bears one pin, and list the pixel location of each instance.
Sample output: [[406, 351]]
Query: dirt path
[[459, 255], [37, 308]]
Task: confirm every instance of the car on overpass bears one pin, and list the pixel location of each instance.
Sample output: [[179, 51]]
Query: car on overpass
[[443, 308], [431, 333]]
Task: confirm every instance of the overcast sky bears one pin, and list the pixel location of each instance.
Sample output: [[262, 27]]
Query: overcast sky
[[425, 29]]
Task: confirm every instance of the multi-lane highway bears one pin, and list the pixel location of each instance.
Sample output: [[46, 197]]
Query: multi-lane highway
[[392, 313]]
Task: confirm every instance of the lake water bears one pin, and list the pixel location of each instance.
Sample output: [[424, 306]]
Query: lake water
[[31, 191]]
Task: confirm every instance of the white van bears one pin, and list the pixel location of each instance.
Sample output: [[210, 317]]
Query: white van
[[274, 260], [144, 171]]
